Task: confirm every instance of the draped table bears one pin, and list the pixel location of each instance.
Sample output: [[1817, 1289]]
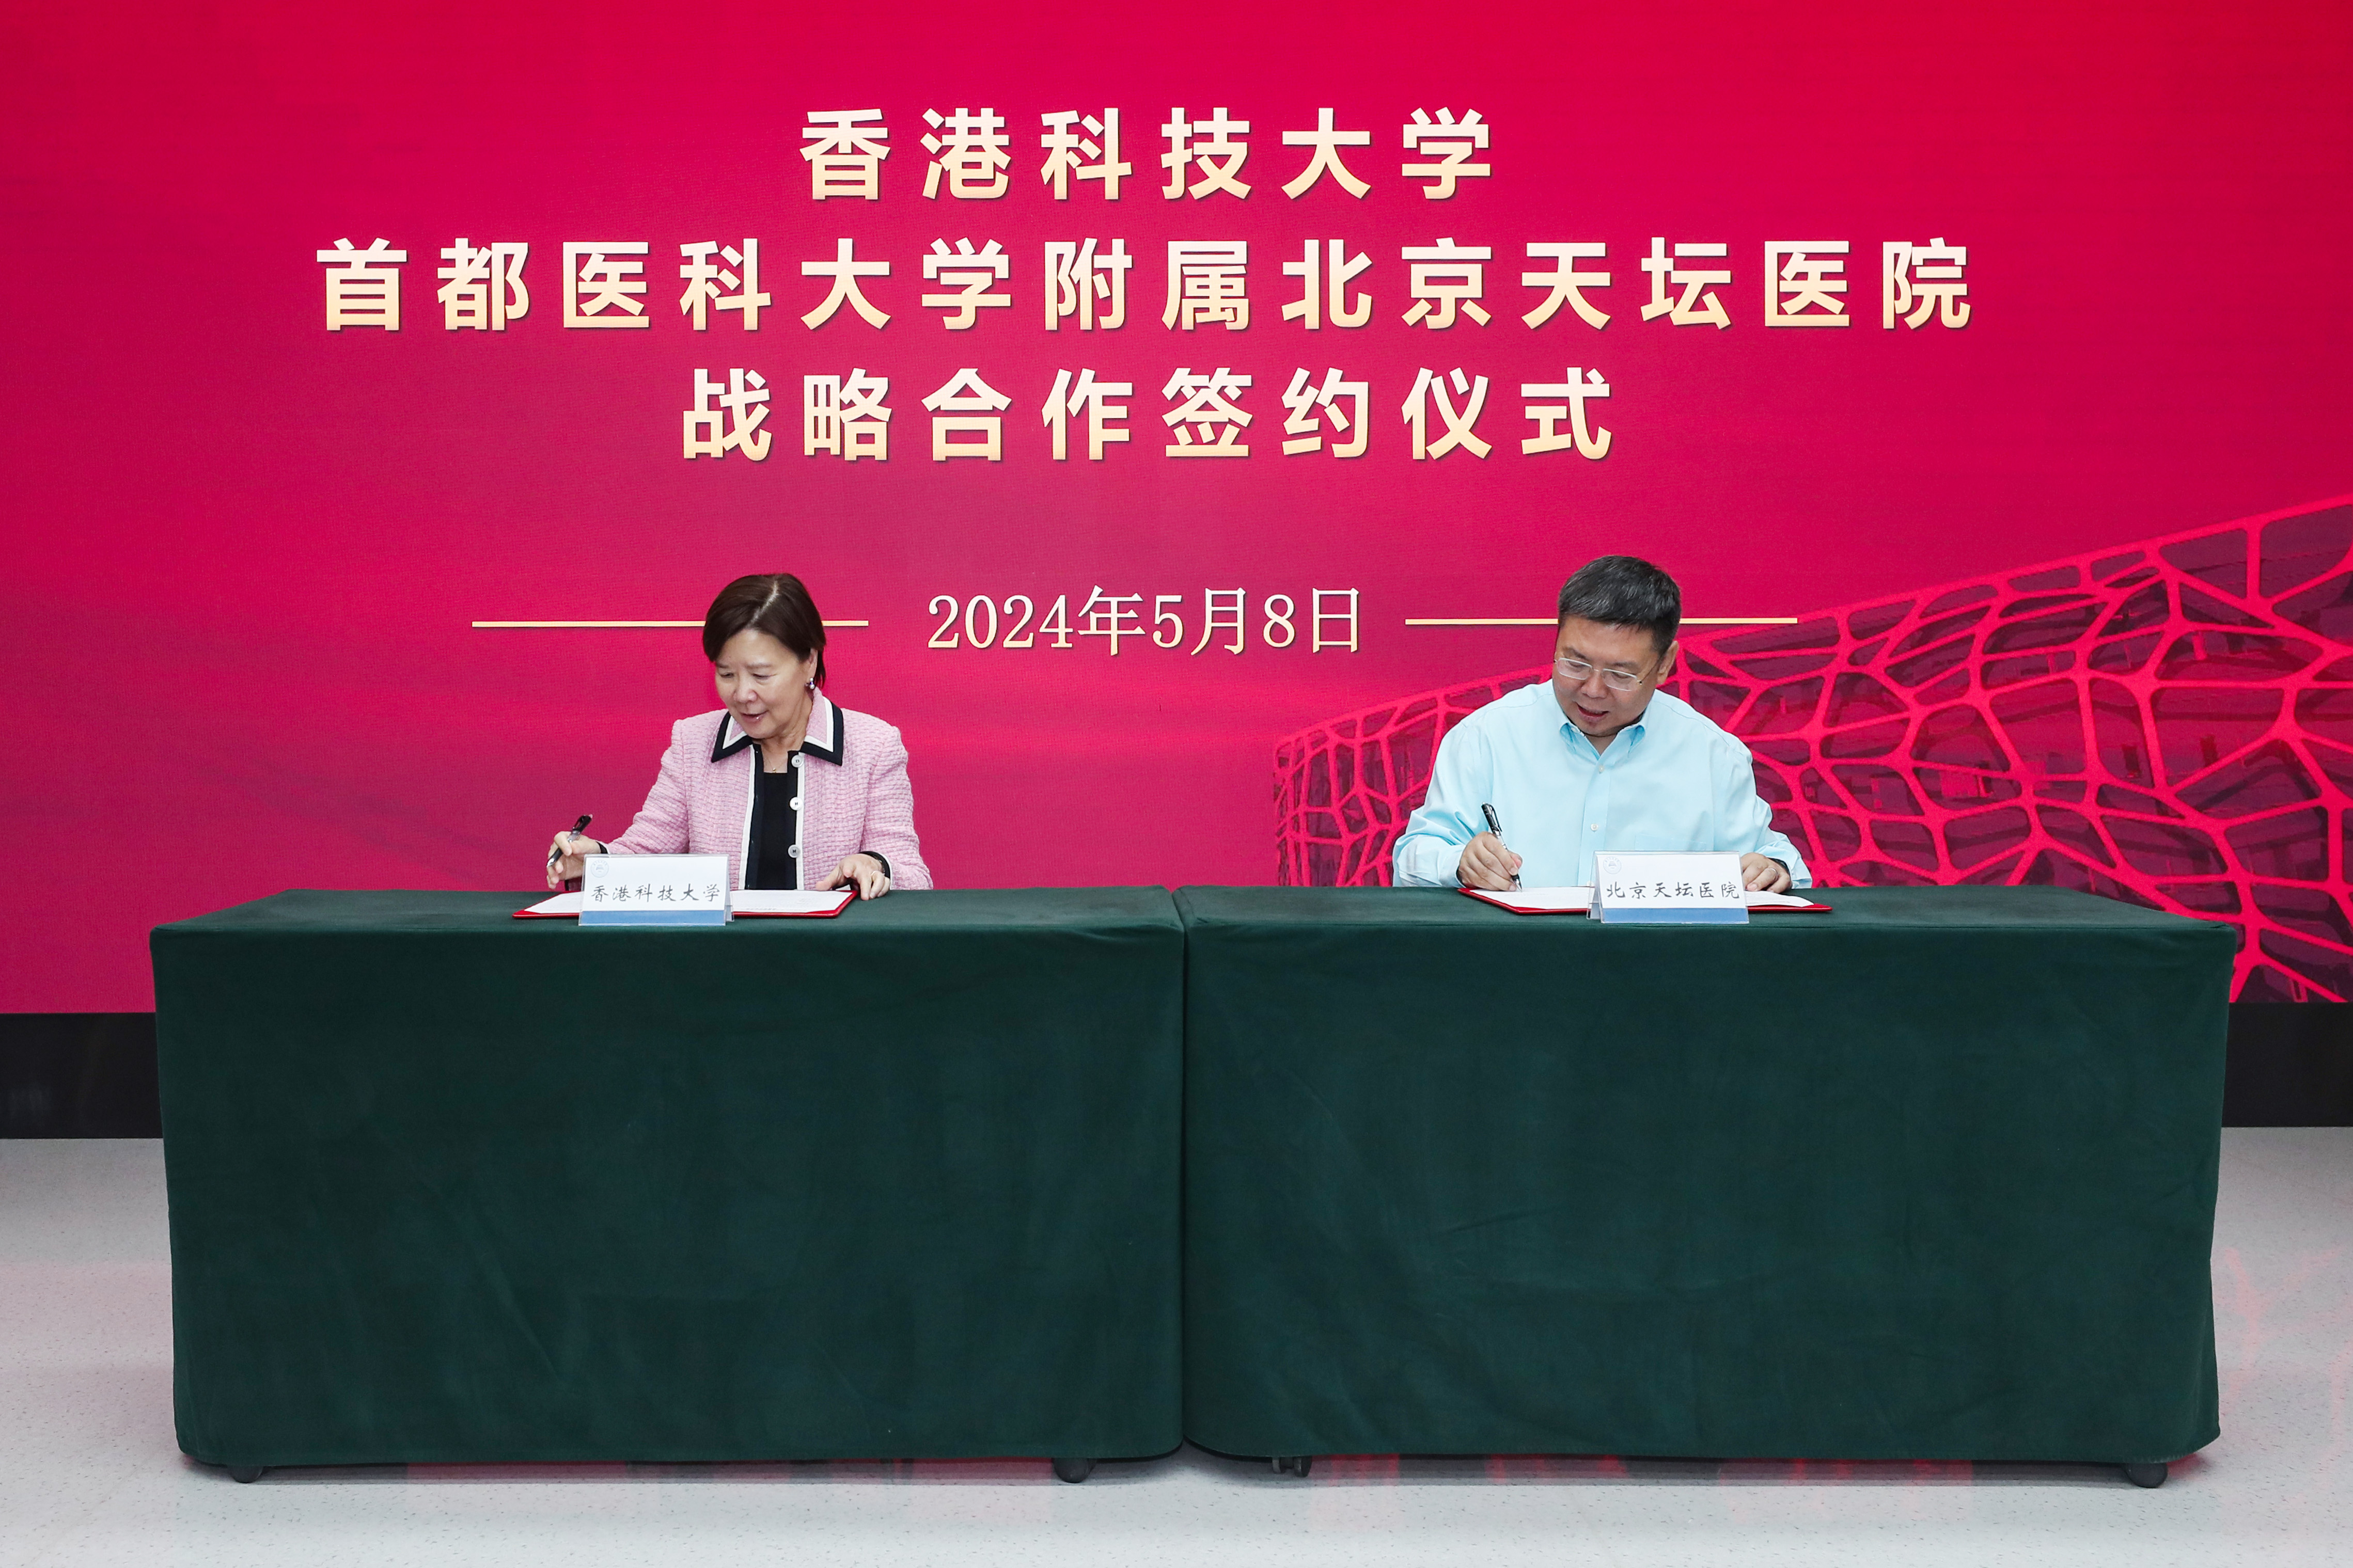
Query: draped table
[[1928, 1176], [447, 1186]]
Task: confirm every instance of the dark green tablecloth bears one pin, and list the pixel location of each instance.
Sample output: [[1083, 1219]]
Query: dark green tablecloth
[[1930, 1178], [447, 1186]]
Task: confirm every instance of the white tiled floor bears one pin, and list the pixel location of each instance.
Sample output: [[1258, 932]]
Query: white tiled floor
[[89, 1474]]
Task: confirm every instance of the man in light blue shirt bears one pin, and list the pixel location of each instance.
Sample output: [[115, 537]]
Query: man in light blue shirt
[[1598, 759]]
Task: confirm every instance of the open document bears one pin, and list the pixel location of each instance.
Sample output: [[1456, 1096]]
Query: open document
[[778, 901], [1579, 901], [749, 903]]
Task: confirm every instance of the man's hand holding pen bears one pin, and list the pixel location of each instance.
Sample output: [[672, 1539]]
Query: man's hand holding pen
[[1487, 863], [1492, 859]]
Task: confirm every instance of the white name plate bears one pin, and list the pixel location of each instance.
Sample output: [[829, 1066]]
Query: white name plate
[[653, 890], [1669, 890]]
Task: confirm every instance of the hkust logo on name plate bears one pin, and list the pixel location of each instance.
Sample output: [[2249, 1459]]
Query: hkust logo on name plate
[[653, 890], [1669, 889]]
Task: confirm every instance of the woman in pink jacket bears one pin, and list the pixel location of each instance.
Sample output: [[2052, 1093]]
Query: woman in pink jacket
[[795, 792]]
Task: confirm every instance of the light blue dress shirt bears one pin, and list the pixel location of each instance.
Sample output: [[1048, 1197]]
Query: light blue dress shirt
[[1670, 781]]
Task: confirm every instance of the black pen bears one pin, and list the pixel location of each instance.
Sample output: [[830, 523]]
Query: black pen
[[1495, 827], [579, 829]]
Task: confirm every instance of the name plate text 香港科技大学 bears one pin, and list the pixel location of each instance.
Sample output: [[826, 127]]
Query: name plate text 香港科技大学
[[1689, 889], [654, 891]]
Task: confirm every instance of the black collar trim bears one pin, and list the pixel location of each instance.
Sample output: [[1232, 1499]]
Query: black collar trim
[[828, 750], [731, 739]]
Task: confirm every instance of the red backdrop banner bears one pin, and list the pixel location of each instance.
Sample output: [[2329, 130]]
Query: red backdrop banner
[[250, 555]]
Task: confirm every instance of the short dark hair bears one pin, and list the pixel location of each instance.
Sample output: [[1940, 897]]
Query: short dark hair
[[772, 602], [1625, 591]]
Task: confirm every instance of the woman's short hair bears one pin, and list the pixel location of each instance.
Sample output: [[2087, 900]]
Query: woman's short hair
[[772, 602]]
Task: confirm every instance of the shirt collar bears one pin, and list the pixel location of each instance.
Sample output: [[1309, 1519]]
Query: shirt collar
[[1629, 735], [825, 740]]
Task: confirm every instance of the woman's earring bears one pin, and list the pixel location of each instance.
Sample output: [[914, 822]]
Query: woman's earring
[[810, 684]]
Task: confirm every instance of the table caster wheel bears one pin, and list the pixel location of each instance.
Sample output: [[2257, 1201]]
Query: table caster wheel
[[245, 1475], [2150, 1476], [1293, 1463], [1074, 1470]]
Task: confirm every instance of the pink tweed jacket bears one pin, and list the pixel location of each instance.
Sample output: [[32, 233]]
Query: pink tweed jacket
[[855, 796]]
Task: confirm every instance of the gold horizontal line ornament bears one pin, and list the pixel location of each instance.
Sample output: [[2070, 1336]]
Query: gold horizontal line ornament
[[1555, 620], [604, 625]]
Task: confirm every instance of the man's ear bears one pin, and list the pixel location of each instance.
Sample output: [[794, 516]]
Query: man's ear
[[1667, 662]]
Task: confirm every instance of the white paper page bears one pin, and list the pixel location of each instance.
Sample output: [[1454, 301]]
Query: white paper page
[[786, 901], [1778, 902], [1543, 901], [562, 904]]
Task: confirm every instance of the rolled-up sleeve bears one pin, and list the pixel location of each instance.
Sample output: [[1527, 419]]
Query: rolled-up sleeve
[[1744, 820], [1429, 853]]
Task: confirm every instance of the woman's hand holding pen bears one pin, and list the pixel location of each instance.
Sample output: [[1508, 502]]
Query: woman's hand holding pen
[[1487, 863], [567, 857]]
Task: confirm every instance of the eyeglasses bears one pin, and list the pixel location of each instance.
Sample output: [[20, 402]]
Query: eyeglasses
[[1578, 673]]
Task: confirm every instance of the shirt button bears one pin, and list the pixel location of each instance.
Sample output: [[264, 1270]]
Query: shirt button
[[795, 851], [796, 803]]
